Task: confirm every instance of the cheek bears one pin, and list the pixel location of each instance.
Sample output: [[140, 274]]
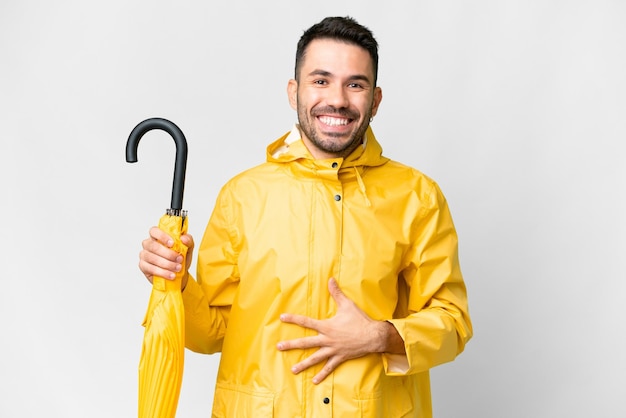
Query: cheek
[[309, 98], [368, 107]]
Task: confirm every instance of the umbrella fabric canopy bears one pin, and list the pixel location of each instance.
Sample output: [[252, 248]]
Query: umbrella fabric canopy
[[162, 353]]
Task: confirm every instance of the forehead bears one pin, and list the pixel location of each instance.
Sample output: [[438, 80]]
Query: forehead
[[338, 58]]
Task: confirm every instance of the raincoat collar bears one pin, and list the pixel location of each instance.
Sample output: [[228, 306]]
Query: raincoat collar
[[291, 148]]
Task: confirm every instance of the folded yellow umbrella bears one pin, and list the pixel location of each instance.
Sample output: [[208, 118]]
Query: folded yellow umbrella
[[162, 354]]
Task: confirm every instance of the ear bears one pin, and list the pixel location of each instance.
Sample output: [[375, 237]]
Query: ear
[[292, 93], [378, 97]]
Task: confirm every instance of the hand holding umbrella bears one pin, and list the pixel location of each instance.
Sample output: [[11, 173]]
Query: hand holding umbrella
[[162, 355]]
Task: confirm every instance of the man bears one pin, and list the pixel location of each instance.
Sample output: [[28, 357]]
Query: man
[[328, 276]]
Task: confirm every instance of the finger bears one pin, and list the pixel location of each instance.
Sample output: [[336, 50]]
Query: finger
[[162, 257], [315, 358], [152, 246], [303, 321], [151, 270], [300, 343], [161, 236], [335, 291], [154, 264], [328, 368], [187, 240]]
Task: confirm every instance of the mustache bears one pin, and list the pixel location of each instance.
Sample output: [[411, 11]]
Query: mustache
[[333, 111]]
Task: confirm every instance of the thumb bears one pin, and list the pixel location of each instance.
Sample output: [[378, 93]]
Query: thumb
[[335, 291], [187, 240]]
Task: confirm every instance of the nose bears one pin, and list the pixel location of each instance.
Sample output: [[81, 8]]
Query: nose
[[337, 97]]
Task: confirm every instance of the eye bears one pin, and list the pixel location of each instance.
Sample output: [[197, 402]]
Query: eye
[[320, 82], [355, 86]]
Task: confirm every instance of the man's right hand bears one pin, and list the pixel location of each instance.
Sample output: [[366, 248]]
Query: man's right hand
[[158, 259]]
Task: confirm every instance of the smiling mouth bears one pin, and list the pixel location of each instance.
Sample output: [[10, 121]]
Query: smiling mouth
[[334, 121]]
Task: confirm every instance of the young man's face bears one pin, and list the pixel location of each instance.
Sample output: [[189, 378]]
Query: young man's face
[[335, 97]]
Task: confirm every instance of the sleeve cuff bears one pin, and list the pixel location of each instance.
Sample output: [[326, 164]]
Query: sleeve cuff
[[192, 294], [395, 364]]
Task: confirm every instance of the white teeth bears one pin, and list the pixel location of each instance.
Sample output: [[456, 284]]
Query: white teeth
[[330, 121]]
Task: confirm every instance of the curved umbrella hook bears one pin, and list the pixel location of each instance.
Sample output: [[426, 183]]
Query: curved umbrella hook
[[180, 164]]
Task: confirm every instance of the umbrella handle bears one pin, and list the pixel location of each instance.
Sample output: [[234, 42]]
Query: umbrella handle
[[180, 165]]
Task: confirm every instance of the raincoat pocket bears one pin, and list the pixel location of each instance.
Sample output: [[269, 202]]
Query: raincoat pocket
[[393, 403], [237, 401]]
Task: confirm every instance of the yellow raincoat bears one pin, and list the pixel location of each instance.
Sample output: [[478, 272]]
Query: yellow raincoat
[[278, 232]]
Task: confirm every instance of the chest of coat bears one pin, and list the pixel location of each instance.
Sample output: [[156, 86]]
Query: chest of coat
[[305, 232]]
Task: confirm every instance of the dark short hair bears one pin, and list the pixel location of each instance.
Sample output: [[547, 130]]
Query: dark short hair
[[344, 29]]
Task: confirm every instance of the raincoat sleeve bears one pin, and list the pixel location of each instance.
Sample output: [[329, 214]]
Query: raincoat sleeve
[[208, 298], [432, 316]]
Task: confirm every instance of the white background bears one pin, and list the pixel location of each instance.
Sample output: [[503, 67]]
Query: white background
[[516, 108]]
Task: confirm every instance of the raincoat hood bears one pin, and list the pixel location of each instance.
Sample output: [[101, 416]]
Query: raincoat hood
[[290, 147]]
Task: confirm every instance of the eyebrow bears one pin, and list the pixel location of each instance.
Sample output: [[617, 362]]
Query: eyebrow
[[324, 73]]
